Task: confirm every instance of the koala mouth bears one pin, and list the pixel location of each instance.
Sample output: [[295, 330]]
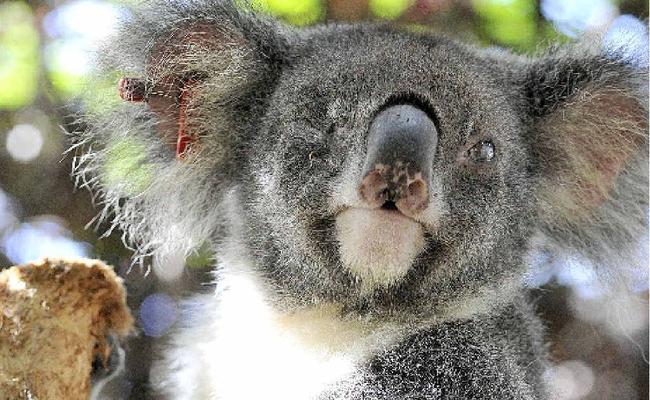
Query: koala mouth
[[378, 246], [389, 206]]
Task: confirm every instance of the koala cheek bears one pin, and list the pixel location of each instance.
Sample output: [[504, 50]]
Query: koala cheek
[[376, 246]]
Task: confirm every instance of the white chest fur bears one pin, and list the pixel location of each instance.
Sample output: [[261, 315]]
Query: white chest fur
[[261, 354], [247, 350]]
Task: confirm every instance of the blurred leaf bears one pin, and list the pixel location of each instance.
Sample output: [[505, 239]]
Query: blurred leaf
[[67, 80], [66, 83], [548, 35], [389, 9], [508, 22], [19, 55], [295, 12]]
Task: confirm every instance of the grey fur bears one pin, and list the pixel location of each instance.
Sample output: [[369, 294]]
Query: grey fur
[[282, 117]]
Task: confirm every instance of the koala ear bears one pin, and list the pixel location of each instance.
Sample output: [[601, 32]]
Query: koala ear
[[196, 77], [195, 58], [588, 113]]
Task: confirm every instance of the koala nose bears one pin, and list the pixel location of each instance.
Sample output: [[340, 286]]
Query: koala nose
[[402, 141]]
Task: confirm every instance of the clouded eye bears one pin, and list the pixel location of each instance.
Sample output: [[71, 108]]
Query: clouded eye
[[482, 151]]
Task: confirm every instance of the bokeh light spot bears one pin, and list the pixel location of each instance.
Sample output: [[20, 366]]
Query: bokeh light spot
[[24, 142], [45, 237], [627, 37], [295, 12], [158, 312], [78, 28], [509, 22], [577, 16], [91, 19]]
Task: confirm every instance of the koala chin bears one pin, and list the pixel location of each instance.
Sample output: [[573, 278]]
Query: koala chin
[[378, 246]]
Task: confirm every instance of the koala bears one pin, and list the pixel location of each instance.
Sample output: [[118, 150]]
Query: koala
[[373, 196]]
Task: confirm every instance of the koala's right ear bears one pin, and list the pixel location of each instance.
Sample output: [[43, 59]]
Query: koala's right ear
[[196, 77], [191, 59]]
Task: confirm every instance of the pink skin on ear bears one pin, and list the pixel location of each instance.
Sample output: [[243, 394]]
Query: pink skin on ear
[[171, 95], [184, 139], [134, 90]]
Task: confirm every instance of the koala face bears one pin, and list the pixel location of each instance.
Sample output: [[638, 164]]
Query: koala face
[[334, 241], [386, 171]]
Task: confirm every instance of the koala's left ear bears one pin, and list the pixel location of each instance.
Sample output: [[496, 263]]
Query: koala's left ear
[[588, 117]]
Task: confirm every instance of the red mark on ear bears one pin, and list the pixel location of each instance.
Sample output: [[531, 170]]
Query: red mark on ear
[[134, 90], [184, 140]]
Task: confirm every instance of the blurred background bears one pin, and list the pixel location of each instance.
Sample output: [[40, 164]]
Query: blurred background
[[598, 336]]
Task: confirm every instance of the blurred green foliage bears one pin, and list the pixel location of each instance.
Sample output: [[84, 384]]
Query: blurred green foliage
[[126, 166], [29, 58], [512, 23], [202, 257], [66, 82], [99, 94], [19, 55], [295, 12], [389, 9]]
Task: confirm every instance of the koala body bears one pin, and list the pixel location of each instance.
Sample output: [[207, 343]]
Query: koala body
[[373, 196]]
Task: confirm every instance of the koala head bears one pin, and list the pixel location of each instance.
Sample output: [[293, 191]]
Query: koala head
[[388, 171]]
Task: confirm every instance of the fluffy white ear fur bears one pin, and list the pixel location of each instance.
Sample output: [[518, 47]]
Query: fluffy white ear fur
[[173, 210], [592, 153]]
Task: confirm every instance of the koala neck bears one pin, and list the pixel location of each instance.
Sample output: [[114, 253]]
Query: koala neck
[[321, 325], [292, 354]]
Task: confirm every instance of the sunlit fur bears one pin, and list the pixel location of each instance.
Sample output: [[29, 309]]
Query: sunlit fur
[[304, 306]]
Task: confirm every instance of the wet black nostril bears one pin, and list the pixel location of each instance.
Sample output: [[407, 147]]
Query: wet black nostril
[[389, 205]]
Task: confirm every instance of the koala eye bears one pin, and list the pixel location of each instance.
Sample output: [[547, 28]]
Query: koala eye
[[482, 151]]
